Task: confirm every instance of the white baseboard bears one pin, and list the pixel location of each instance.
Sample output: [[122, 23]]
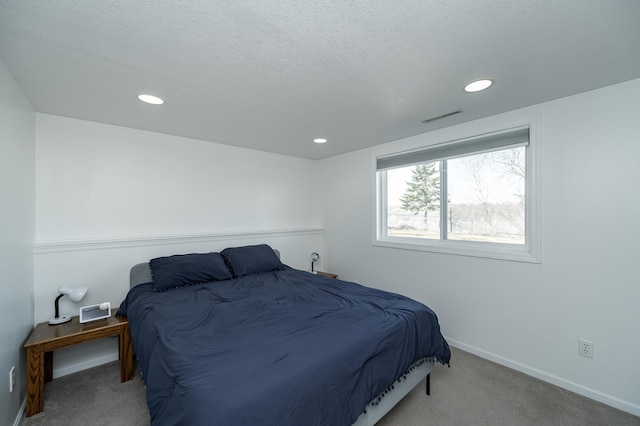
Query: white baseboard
[[549, 378], [93, 362], [21, 413]]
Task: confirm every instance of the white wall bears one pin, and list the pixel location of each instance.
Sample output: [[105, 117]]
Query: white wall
[[108, 197], [528, 316], [17, 191], [101, 181]]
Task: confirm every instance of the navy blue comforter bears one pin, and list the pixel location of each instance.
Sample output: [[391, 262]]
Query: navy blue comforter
[[277, 348]]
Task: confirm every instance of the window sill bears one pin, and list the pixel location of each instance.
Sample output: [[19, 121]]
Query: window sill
[[515, 253]]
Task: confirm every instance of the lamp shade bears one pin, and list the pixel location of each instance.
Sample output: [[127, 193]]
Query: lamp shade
[[75, 294]]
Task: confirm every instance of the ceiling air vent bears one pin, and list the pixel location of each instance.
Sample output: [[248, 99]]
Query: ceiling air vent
[[449, 114]]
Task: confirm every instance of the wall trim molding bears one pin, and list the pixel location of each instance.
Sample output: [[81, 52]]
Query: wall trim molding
[[549, 378], [46, 247], [21, 413]]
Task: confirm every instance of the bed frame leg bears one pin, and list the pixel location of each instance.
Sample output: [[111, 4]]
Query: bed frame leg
[[429, 384]]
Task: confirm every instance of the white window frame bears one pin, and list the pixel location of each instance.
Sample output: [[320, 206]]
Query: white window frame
[[530, 251]]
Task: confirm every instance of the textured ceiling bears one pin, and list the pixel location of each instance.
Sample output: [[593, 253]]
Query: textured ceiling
[[272, 75]]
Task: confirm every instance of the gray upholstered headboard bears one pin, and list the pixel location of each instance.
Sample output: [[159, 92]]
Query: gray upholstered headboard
[[141, 273]]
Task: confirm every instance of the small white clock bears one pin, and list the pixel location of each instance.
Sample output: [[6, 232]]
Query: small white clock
[[95, 312]]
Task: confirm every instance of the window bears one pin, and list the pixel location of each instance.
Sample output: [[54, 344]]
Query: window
[[474, 196]]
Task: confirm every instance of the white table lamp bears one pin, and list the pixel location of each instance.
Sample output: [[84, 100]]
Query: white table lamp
[[314, 258], [75, 294]]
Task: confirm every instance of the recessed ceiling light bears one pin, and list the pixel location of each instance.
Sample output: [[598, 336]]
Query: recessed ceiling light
[[478, 85], [150, 99], [320, 140]]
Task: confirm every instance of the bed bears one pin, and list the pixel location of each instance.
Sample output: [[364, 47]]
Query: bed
[[239, 338]]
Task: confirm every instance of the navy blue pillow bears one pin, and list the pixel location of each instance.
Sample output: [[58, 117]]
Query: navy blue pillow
[[186, 269], [249, 260]]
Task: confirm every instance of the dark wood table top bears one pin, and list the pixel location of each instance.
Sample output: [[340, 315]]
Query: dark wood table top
[[44, 333]]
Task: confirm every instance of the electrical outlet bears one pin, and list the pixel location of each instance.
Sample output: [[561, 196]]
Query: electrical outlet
[[12, 378], [585, 348]]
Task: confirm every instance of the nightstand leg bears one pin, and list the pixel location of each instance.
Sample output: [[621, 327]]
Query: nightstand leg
[[48, 366], [35, 380], [126, 354]]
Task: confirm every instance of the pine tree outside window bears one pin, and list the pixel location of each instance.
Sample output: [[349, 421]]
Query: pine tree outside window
[[422, 193]]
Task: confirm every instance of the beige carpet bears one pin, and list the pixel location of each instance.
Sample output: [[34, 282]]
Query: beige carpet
[[473, 391]]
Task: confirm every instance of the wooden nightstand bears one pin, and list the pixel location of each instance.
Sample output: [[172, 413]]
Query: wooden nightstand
[[327, 274], [45, 338]]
